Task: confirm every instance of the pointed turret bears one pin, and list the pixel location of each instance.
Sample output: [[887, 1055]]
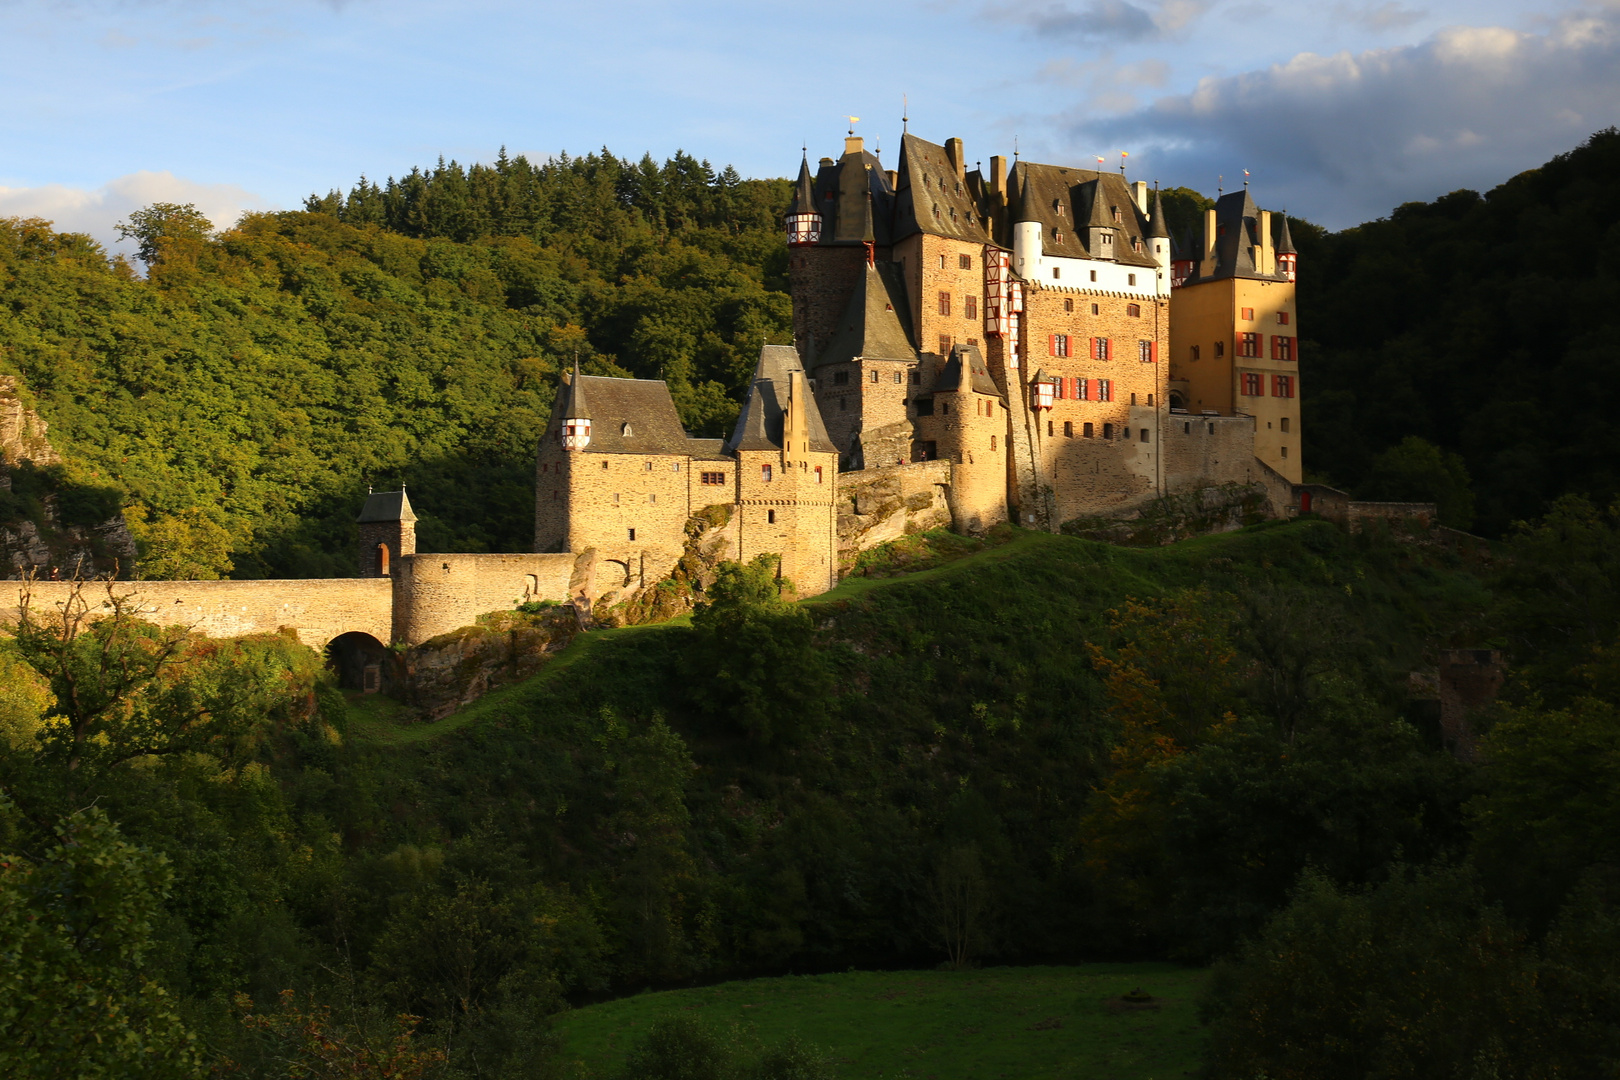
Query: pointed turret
[[1287, 257], [803, 222], [868, 238], [1028, 245], [387, 531], [576, 417], [1025, 206], [1158, 229]]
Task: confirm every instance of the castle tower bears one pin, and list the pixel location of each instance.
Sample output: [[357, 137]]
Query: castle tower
[[964, 420], [1234, 344], [387, 532], [827, 227], [803, 220], [786, 474]]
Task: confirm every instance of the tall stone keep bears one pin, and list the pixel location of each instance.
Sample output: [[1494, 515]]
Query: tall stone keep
[[387, 532]]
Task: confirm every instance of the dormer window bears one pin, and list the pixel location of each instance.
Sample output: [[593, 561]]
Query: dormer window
[[1108, 239], [1057, 237], [1136, 243], [1118, 217], [625, 430], [1058, 206]]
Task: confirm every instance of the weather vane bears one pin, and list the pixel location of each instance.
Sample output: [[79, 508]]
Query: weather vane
[[853, 120]]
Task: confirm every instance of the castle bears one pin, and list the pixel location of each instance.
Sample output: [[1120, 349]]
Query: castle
[[970, 347], [1036, 330]]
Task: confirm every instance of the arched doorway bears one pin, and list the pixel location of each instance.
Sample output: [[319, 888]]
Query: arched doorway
[[382, 559], [362, 663]]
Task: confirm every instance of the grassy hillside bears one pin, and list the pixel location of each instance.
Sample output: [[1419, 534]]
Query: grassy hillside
[[1044, 1023]]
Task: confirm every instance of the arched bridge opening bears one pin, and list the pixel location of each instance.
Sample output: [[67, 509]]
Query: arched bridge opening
[[361, 663]]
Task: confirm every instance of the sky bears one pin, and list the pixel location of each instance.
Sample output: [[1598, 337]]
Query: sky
[[1340, 109]]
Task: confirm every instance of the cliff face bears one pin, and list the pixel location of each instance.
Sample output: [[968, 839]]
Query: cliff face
[[48, 524]]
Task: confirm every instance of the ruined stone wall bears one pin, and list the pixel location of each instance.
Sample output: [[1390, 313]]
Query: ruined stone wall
[[879, 505], [317, 609], [434, 594]]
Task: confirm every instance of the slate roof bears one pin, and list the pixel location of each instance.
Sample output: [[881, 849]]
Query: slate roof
[[966, 370], [759, 427], [1160, 228], [804, 197], [572, 400], [840, 191], [1237, 224], [643, 404], [929, 198], [1062, 198], [386, 506], [876, 323]]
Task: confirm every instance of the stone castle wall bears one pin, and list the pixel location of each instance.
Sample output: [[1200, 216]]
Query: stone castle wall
[[434, 594], [317, 610], [879, 505]]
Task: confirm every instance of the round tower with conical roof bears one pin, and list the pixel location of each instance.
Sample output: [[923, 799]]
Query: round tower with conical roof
[[803, 221], [1027, 246], [576, 418]]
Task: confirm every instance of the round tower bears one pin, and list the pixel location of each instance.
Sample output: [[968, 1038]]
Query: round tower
[[1027, 246], [576, 419]]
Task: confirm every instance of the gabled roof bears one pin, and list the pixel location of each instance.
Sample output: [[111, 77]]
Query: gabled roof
[[1065, 199], [840, 192], [387, 506], [644, 405], [930, 198], [876, 323], [759, 427], [1237, 225], [965, 371]]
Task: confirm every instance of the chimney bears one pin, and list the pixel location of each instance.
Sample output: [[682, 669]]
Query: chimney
[[1209, 241], [957, 157], [1139, 192], [854, 144], [894, 179], [1267, 263], [998, 176]]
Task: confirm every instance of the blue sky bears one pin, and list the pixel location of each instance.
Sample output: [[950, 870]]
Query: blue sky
[[1340, 110]]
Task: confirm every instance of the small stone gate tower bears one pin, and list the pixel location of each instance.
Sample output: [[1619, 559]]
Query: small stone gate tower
[[387, 532]]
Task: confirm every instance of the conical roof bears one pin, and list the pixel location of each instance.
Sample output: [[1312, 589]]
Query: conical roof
[[1025, 206], [1099, 217], [1285, 243], [804, 198], [866, 233], [1159, 230], [575, 408]]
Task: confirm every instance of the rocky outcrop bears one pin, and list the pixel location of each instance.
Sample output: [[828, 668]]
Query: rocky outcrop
[[34, 537], [711, 538], [444, 673], [880, 505]]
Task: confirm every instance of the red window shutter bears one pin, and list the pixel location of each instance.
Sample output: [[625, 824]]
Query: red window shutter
[[1293, 349], [1108, 348], [1051, 345], [1274, 346], [1153, 352]]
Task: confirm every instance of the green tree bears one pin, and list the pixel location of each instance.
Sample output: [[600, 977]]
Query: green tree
[[160, 226], [756, 650], [80, 1000], [1415, 470]]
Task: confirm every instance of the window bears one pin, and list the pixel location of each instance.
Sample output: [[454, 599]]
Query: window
[[1249, 345], [1251, 384], [1049, 429], [765, 473], [818, 474], [632, 534], [713, 478], [1220, 349], [942, 257], [649, 466], [1068, 429], [1057, 204], [1108, 431], [970, 307], [1136, 245], [1186, 429], [899, 377], [874, 375], [944, 303], [1060, 344], [992, 442], [1130, 279], [840, 378], [1125, 434], [1282, 348], [770, 517], [1147, 352], [964, 262], [1285, 451], [1194, 353], [1134, 310], [1094, 278], [1082, 389], [1284, 423], [1094, 308], [1117, 216], [1101, 348], [1108, 239], [652, 500], [1246, 314], [625, 430], [604, 464], [1068, 305], [1133, 399], [1282, 318], [615, 498], [1057, 272], [675, 466], [1150, 400], [1105, 392], [1144, 435], [1086, 431], [944, 344], [1282, 386], [1057, 236]]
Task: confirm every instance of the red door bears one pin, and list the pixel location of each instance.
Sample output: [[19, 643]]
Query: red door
[[1304, 502]]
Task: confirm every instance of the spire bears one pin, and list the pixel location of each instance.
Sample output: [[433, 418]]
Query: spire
[[577, 409], [1025, 207], [868, 238], [804, 199], [1285, 243], [1159, 230], [1099, 217]]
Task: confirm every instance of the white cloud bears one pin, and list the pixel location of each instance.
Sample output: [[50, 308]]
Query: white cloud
[[97, 211], [1101, 20], [1349, 136]]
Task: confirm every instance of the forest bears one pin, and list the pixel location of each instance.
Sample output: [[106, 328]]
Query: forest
[[1023, 749]]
